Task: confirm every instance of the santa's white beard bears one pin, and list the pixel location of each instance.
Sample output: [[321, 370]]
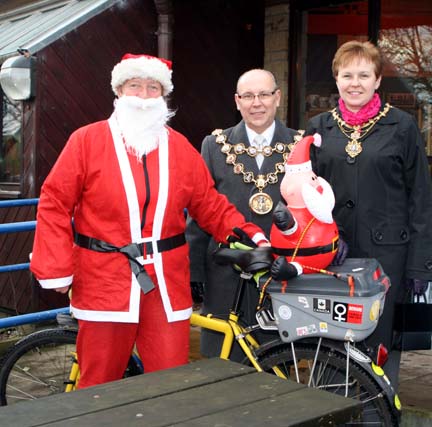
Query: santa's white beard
[[319, 205], [142, 123]]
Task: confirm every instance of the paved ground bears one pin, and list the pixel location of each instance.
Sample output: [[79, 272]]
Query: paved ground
[[415, 385], [415, 388]]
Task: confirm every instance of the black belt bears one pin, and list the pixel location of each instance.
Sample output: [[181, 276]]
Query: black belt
[[331, 247], [133, 251]]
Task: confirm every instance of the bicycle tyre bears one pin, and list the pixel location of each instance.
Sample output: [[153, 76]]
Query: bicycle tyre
[[329, 375], [37, 366]]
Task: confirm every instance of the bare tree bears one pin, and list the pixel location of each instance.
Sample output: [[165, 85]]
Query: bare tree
[[409, 51]]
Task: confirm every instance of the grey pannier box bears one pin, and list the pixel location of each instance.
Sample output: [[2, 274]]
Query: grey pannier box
[[319, 305]]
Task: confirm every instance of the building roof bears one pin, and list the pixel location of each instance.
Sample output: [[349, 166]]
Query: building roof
[[32, 26]]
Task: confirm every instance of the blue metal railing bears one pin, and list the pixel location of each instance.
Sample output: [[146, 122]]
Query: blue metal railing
[[18, 202], [14, 267], [40, 316], [15, 227]]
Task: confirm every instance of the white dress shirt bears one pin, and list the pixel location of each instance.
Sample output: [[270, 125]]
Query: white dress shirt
[[267, 139]]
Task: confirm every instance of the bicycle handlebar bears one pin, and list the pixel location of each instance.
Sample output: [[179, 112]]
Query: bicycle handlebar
[[250, 261]]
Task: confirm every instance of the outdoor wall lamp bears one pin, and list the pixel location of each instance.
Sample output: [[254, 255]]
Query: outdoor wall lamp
[[17, 77]]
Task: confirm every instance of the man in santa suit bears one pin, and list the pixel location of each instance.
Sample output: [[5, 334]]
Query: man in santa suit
[[125, 183], [303, 232]]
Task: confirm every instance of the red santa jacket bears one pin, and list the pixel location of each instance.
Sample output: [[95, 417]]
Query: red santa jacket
[[107, 193]]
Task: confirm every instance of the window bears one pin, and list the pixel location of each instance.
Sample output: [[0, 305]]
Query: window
[[327, 28], [406, 41], [11, 148]]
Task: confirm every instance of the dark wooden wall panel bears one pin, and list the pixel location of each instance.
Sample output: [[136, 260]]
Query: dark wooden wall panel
[[15, 291], [214, 42]]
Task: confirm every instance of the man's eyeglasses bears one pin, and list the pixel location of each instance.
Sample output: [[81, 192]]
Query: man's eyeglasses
[[262, 96]]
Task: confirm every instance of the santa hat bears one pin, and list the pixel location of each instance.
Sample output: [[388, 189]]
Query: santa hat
[[299, 160], [145, 67]]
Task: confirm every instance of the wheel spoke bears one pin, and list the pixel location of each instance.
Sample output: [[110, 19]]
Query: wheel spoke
[[327, 371], [37, 366]]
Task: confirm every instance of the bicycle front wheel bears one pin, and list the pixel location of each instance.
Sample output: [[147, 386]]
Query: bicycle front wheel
[[329, 374], [37, 366]]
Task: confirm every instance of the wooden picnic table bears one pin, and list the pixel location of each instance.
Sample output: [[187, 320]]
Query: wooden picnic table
[[210, 392]]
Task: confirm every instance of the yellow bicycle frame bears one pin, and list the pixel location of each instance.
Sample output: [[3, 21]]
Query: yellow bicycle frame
[[229, 328], [74, 375]]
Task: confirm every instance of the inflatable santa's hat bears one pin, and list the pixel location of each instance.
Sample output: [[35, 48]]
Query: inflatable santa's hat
[[299, 159], [144, 67]]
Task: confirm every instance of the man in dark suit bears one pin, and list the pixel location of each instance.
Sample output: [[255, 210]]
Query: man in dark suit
[[247, 164]]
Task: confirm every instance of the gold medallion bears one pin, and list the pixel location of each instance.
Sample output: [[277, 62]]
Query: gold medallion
[[353, 148], [261, 203]]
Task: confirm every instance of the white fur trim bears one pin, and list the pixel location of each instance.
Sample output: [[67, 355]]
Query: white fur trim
[[300, 167], [164, 169], [259, 238], [105, 316], [145, 68], [317, 140], [135, 229], [298, 267], [129, 184], [291, 230], [60, 282]]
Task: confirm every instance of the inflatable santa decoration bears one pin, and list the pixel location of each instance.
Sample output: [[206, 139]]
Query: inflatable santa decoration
[[303, 232]]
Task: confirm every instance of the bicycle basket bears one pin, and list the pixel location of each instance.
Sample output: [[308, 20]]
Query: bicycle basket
[[318, 305]]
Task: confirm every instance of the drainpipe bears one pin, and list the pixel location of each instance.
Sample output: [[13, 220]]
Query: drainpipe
[[165, 24]]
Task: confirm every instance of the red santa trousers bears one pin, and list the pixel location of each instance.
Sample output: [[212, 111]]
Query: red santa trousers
[[104, 348]]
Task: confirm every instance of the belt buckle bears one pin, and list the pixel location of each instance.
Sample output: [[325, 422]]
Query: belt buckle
[[145, 258], [335, 240]]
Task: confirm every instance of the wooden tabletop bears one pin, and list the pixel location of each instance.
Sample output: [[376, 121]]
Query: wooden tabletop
[[211, 392]]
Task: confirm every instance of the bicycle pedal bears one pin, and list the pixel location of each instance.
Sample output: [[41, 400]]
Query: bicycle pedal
[[266, 320]]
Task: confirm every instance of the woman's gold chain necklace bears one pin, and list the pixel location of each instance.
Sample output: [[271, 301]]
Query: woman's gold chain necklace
[[357, 132], [261, 203]]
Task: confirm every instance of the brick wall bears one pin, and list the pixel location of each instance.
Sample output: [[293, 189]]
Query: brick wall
[[276, 49]]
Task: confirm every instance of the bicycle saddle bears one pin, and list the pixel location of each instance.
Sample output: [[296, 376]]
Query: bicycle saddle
[[250, 261]]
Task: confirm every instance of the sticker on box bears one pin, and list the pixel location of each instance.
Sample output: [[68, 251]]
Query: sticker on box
[[374, 311], [321, 305], [306, 330], [345, 312], [304, 301], [284, 312], [323, 327]]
